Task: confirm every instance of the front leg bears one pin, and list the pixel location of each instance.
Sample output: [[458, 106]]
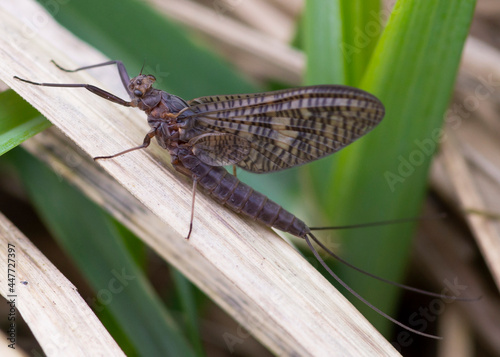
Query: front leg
[[96, 90]]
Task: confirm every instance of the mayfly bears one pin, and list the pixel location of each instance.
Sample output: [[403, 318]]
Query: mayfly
[[261, 132]]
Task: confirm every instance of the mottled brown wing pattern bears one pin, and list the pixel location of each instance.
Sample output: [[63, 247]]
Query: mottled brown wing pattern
[[289, 127], [218, 149]]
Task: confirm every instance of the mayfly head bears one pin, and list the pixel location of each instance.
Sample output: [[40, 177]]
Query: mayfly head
[[141, 85]]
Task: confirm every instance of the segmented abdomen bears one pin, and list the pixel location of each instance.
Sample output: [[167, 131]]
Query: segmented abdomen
[[241, 198]]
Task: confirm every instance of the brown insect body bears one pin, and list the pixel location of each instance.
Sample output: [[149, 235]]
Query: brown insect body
[[241, 198], [163, 111]]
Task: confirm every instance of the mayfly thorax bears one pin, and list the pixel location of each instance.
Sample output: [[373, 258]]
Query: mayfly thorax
[[261, 132]]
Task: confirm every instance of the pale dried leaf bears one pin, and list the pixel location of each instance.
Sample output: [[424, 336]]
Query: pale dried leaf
[[58, 316]]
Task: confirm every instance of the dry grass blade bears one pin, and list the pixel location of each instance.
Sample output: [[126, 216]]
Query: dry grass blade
[[6, 351], [57, 315], [291, 7], [470, 148], [488, 8], [260, 279], [482, 226], [457, 337], [252, 51], [259, 14], [447, 254]]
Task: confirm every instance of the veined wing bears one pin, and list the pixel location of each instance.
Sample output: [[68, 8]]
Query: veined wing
[[219, 149], [289, 127]]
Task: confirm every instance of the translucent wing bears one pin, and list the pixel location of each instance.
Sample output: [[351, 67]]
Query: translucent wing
[[220, 149], [289, 127]]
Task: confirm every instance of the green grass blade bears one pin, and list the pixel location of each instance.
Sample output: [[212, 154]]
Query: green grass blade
[[322, 34], [91, 238], [186, 293], [340, 58], [384, 175], [338, 38], [361, 28], [18, 121]]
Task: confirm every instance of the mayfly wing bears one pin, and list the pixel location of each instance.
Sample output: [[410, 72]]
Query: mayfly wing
[[289, 127], [219, 149]]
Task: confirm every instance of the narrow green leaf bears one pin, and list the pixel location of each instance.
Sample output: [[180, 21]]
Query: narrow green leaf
[[91, 238], [322, 36], [384, 175], [136, 247], [338, 59], [185, 291], [362, 25], [19, 121]]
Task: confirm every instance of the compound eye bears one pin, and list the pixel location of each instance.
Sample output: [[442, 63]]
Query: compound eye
[[137, 93]]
